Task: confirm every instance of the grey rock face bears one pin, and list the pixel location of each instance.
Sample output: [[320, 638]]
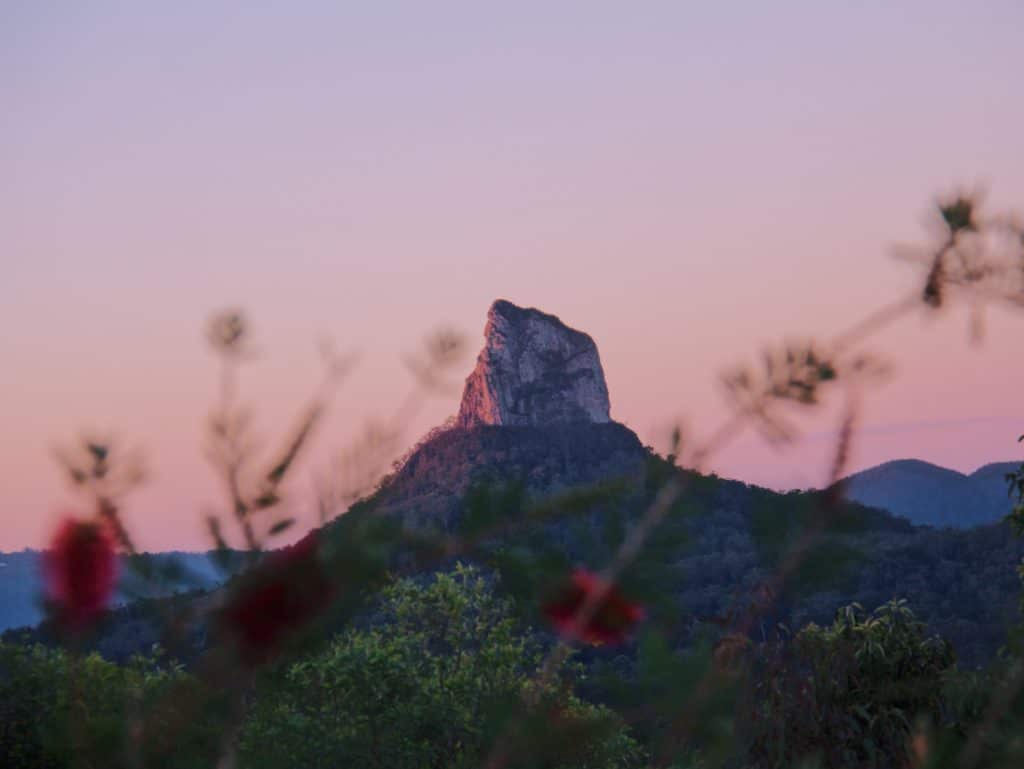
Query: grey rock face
[[533, 371]]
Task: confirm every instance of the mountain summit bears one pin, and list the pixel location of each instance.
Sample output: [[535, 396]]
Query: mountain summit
[[534, 371], [534, 412]]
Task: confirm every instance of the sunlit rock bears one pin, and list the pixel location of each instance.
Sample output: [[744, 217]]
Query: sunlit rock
[[533, 371]]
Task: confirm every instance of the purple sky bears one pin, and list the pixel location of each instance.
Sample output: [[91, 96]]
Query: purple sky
[[686, 182]]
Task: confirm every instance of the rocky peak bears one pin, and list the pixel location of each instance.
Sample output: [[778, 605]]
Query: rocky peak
[[533, 371]]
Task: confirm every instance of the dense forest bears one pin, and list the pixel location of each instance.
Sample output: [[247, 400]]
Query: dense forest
[[424, 665]]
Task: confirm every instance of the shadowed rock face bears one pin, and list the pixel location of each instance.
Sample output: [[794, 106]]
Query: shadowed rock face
[[534, 371]]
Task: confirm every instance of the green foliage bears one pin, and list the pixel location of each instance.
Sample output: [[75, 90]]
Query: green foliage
[[849, 694], [985, 708], [59, 709], [434, 682], [1015, 482], [680, 704], [983, 713]]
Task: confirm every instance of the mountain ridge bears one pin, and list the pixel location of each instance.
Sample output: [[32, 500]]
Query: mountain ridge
[[928, 494]]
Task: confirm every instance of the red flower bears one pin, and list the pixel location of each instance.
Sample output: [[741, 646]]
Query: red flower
[[81, 571], [287, 590], [611, 620]]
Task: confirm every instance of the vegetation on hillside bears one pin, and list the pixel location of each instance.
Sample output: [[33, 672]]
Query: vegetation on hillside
[[618, 613]]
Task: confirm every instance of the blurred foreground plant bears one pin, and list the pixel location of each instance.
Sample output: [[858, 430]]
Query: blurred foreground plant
[[81, 570]]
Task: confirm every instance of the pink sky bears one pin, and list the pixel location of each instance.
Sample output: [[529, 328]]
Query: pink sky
[[685, 184]]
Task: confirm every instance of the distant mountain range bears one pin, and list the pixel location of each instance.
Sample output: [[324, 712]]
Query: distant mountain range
[[145, 576], [930, 495]]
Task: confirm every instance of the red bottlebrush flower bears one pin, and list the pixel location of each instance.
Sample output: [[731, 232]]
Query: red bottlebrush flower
[[610, 622], [81, 571], [286, 591]]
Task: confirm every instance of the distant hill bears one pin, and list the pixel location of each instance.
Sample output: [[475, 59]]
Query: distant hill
[[930, 495], [21, 581]]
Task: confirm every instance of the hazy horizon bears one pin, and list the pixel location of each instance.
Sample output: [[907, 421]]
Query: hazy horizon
[[684, 184]]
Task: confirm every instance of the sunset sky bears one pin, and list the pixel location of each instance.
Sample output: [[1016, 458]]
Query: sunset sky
[[686, 182]]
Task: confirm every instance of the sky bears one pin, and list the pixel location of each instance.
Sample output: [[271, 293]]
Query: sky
[[687, 182]]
